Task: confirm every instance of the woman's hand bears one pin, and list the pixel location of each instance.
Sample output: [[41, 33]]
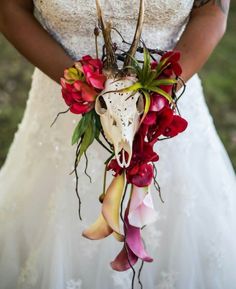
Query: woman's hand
[[20, 27], [206, 27]]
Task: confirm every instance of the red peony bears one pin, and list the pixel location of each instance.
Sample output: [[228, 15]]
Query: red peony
[[82, 83], [78, 96], [92, 69]]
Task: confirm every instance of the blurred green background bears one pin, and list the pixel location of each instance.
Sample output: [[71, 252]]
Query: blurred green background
[[218, 76]]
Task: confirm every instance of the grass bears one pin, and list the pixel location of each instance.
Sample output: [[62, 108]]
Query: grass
[[218, 76]]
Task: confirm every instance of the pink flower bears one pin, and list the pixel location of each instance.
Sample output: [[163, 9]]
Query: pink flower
[[92, 69], [158, 102], [133, 248], [141, 210]]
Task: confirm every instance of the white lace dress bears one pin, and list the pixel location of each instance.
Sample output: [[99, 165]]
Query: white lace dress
[[41, 247]]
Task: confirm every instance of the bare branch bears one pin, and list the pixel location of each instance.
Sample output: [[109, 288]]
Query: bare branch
[[137, 36]]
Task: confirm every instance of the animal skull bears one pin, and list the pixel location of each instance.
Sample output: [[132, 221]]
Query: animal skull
[[120, 115], [119, 111]]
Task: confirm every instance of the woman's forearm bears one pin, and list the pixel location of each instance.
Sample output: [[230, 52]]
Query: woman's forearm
[[206, 27], [18, 25]]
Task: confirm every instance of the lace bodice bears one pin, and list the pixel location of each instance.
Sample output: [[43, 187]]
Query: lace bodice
[[71, 22]]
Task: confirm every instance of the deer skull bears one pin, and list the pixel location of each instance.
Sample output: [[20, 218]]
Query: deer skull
[[120, 114], [119, 111]]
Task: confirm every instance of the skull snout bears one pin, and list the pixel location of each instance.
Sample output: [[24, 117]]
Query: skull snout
[[123, 152]]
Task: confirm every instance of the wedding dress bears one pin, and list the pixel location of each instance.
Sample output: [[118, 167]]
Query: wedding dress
[[41, 247]]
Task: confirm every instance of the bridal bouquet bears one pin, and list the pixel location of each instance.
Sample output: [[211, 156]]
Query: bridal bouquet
[[127, 110]]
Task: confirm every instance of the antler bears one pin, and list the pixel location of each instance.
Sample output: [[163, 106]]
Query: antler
[[111, 61], [137, 36]]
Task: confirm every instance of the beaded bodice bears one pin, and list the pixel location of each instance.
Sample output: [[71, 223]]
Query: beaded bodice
[[72, 22]]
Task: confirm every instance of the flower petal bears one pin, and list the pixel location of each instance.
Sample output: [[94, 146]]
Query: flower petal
[[134, 240], [97, 80], [144, 176], [111, 202], [141, 210], [98, 230], [88, 93], [81, 108], [158, 102], [118, 237], [150, 118], [121, 262]]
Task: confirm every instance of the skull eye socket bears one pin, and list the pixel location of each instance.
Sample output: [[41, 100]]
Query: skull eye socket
[[140, 104], [100, 106]]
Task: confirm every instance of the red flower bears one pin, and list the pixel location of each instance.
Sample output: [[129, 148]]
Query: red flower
[[167, 124], [133, 248], [140, 175], [177, 126], [92, 69], [114, 166], [173, 61], [140, 171], [82, 83], [78, 96]]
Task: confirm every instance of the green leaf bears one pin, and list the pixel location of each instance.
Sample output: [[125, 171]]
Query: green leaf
[[97, 124], [136, 66], [162, 92], [87, 140], [92, 131], [79, 130], [134, 87], [147, 104], [167, 81]]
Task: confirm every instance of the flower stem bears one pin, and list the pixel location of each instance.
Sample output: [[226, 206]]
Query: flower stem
[[77, 178], [125, 243]]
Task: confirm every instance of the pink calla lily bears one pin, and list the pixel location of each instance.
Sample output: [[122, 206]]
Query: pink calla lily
[[121, 262], [141, 210], [132, 250], [134, 240]]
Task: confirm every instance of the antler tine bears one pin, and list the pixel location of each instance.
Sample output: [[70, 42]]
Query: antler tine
[[137, 35], [111, 61]]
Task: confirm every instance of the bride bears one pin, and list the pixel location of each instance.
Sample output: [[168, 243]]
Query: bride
[[41, 247]]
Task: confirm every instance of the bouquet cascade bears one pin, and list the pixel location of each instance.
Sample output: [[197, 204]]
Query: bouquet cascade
[[127, 110]]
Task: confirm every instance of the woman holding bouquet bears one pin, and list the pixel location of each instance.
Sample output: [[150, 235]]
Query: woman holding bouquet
[[41, 246]]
